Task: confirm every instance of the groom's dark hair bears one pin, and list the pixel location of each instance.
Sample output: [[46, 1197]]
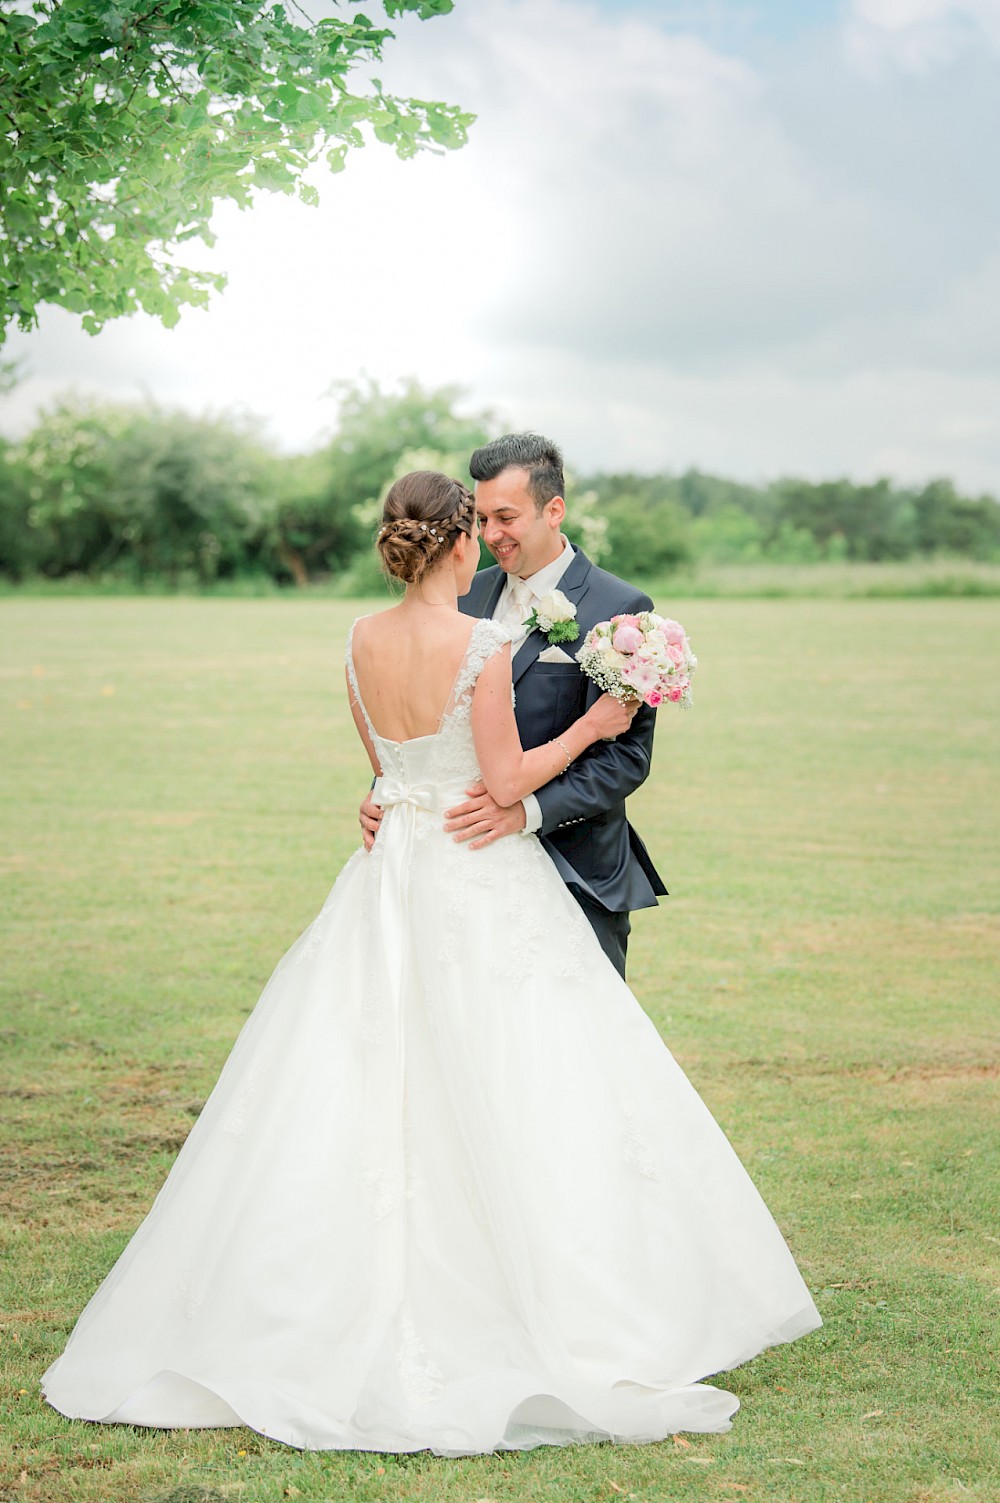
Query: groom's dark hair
[[523, 451]]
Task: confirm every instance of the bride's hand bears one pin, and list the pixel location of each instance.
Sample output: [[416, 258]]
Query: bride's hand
[[609, 717]]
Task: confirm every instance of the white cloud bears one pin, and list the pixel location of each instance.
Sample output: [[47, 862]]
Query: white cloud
[[671, 215], [767, 422], [918, 35]]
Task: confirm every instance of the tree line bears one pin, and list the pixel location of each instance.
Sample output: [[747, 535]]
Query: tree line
[[141, 495]]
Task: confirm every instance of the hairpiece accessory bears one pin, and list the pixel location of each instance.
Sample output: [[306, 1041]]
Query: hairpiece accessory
[[436, 530]]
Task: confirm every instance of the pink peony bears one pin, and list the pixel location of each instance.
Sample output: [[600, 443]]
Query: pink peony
[[626, 621], [654, 698], [627, 639], [639, 678], [675, 654], [674, 632]]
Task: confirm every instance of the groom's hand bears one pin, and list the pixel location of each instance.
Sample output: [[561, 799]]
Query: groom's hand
[[482, 819], [369, 816]]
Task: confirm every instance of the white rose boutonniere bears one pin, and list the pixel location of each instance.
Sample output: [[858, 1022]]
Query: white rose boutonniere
[[556, 617]]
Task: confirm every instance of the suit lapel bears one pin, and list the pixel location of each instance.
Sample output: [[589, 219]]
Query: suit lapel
[[496, 590], [574, 585], [526, 654], [484, 592]]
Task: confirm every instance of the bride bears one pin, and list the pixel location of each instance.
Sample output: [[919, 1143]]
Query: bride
[[451, 1191]]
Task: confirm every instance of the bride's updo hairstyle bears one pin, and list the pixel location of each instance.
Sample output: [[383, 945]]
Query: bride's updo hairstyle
[[423, 514]]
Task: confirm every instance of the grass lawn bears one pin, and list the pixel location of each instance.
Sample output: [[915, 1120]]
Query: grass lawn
[[179, 791]]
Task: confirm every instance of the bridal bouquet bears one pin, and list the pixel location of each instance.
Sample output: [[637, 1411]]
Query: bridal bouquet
[[645, 657]]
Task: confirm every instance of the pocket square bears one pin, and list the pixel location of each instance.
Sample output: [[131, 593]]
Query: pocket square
[[555, 655]]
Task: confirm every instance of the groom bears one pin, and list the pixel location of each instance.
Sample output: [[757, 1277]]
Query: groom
[[579, 816]]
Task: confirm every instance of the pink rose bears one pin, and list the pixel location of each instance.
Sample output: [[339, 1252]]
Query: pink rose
[[675, 654], [674, 694], [627, 639], [654, 698], [674, 632]]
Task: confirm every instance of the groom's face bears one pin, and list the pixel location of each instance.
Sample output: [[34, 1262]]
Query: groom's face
[[521, 538]]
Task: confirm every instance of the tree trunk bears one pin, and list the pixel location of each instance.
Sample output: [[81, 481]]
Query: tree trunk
[[293, 562]]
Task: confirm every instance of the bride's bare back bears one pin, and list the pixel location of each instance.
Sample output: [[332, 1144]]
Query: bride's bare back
[[406, 661]]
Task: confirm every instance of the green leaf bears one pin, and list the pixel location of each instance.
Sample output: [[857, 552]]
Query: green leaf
[[134, 118], [425, 9], [17, 26]]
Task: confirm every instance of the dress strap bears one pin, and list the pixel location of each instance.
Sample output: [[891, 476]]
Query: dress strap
[[353, 678], [485, 639]]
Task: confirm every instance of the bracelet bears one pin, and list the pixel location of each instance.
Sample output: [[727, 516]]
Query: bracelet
[[558, 741]]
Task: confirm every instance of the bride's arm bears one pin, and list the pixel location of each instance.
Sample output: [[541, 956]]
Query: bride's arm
[[508, 771]]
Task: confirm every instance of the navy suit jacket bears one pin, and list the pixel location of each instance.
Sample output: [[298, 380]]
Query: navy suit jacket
[[584, 827]]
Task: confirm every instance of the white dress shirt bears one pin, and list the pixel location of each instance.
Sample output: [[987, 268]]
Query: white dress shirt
[[519, 597], [512, 608]]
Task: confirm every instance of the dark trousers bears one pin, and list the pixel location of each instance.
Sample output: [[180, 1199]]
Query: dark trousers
[[612, 929]]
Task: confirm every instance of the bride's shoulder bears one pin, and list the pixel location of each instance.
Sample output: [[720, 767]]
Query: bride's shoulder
[[485, 641], [372, 624], [490, 635], [477, 639], [368, 616]]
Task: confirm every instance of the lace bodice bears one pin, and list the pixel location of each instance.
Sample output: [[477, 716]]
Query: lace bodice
[[449, 754]]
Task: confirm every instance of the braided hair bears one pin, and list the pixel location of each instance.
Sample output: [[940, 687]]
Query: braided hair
[[422, 516]]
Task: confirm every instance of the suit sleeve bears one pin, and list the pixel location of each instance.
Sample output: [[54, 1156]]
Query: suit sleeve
[[602, 778], [607, 772]]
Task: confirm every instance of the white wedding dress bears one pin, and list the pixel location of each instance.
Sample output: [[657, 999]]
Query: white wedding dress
[[451, 1191]]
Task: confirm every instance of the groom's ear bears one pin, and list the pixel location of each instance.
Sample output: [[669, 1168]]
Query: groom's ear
[[555, 510]]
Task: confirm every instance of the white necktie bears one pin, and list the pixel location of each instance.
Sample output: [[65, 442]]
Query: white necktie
[[519, 603]]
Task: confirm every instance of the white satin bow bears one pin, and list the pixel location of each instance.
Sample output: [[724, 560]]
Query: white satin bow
[[389, 791]]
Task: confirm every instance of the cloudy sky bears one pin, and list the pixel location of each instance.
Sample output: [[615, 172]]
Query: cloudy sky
[[758, 236]]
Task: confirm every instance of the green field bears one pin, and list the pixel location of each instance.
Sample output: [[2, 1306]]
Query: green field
[[180, 786], [934, 578]]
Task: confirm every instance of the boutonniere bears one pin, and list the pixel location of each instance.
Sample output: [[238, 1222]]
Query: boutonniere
[[556, 617]]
